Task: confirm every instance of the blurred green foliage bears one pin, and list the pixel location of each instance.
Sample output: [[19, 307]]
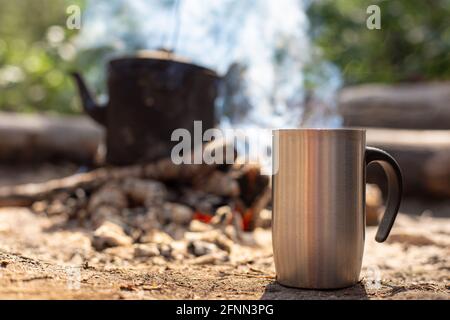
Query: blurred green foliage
[[37, 50], [36, 54], [413, 43]]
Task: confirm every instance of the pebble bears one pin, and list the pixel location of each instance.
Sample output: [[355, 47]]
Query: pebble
[[145, 192], [198, 226], [110, 235], [212, 258], [216, 237], [223, 242], [146, 250], [110, 195], [223, 216], [177, 213], [264, 219], [156, 236], [175, 231], [158, 261], [165, 250], [141, 218], [105, 213], [201, 248], [120, 253]]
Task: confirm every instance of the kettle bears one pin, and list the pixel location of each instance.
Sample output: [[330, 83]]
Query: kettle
[[151, 94]]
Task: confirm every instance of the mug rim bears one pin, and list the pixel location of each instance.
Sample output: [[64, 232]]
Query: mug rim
[[319, 130]]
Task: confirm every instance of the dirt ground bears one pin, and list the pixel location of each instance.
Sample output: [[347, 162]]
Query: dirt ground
[[42, 259], [45, 258]]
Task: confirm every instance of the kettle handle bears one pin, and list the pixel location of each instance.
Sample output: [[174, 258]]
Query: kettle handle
[[395, 189]]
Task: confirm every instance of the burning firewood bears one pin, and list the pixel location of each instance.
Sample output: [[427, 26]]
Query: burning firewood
[[157, 211], [255, 193]]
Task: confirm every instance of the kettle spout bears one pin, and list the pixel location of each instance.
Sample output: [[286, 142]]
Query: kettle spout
[[96, 112]]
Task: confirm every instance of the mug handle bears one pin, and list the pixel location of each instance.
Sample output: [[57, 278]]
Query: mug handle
[[395, 187]]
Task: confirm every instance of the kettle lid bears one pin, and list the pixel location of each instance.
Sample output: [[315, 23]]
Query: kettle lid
[[160, 56]]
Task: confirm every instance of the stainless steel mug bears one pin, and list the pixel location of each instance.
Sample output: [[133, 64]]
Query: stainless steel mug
[[319, 205]]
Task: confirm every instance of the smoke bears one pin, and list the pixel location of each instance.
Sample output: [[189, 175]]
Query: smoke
[[261, 48]]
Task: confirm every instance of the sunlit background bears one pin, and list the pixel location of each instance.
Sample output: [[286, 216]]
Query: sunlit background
[[106, 198], [37, 50]]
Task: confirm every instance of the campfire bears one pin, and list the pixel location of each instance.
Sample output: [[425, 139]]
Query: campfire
[[156, 206]]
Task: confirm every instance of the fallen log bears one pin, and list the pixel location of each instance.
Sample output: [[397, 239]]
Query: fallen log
[[416, 152], [407, 106], [39, 138], [437, 173], [162, 170], [373, 205]]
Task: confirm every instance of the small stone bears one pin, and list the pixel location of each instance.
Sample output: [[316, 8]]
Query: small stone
[[165, 250], [198, 226], [56, 208], [179, 249], [105, 213], [110, 195], [145, 192], [39, 206], [231, 232], [223, 216], [146, 250], [175, 231], [156, 236], [212, 258], [110, 235], [159, 261], [201, 248], [124, 253], [216, 237], [141, 218], [264, 219], [223, 242], [177, 213]]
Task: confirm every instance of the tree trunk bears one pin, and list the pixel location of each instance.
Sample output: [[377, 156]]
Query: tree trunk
[[437, 173], [39, 138], [420, 155], [407, 106]]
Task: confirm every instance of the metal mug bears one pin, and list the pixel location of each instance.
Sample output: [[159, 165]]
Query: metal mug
[[319, 205]]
